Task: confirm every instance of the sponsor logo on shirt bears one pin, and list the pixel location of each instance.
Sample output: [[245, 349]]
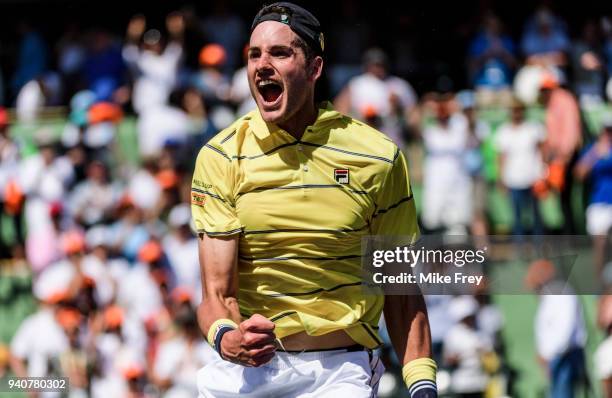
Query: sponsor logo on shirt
[[198, 199], [202, 184], [341, 176]]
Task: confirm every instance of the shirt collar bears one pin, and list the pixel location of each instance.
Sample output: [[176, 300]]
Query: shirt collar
[[261, 129]]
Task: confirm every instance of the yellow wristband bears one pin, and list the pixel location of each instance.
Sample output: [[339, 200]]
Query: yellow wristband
[[419, 369], [213, 329]]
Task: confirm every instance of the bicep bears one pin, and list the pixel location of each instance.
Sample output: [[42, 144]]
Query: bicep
[[218, 265]]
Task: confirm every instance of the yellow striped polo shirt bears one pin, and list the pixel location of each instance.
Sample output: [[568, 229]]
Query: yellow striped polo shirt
[[301, 208]]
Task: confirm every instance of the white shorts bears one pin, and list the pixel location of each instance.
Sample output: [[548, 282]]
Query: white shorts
[[321, 374], [598, 218]]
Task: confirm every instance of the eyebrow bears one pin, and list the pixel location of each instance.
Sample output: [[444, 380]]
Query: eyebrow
[[273, 48]]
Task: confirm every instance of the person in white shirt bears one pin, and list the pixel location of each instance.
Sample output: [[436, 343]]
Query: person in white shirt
[[181, 247], [154, 63], [119, 333], [447, 185], [80, 271], [518, 143], [44, 179], [120, 349], [391, 98], [560, 332], [96, 264], [161, 124], [143, 188], [464, 347], [147, 298], [30, 100], [92, 200], [31, 355]]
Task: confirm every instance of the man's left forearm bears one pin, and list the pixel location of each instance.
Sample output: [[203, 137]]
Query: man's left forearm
[[408, 327]]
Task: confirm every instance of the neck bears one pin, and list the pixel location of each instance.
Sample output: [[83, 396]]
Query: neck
[[302, 119]]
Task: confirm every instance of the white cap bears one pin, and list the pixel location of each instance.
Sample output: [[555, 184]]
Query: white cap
[[180, 215], [462, 307]]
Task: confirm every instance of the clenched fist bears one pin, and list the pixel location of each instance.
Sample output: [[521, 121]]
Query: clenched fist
[[252, 344]]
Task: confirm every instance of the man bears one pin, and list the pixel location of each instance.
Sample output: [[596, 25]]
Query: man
[[281, 200], [389, 97], [11, 197], [31, 355], [153, 61], [518, 144], [595, 162], [447, 185], [464, 348], [560, 336], [563, 137]]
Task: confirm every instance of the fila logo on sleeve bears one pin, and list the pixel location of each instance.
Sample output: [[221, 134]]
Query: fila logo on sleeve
[[341, 176]]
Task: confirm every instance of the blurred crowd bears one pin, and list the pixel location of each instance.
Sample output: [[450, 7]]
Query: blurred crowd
[[109, 244]]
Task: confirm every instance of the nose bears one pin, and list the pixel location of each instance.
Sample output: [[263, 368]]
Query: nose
[[263, 65]]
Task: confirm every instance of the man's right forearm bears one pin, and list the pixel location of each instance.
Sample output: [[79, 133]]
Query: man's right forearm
[[219, 281], [249, 342], [217, 318], [213, 309]]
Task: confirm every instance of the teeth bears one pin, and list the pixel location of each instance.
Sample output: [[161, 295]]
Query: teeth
[[265, 83]]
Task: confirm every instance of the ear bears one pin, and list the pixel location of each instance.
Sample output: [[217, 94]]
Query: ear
[[316, 68]]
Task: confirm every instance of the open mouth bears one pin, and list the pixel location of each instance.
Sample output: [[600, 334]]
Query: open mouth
[[270, 91]]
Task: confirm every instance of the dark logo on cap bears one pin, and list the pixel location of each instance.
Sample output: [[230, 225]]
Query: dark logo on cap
[[341, 176]]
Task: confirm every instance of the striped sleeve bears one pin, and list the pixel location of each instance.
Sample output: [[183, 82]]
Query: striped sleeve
[[212, 201], [395, 210]]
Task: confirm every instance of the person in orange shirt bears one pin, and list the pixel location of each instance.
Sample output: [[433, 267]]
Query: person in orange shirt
[[563, 137]]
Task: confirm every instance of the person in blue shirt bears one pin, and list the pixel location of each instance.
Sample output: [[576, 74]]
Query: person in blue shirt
[[31, 59], [596, 162], [491, 56], [545, 41]]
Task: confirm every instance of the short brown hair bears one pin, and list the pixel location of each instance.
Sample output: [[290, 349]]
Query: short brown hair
[[309, 53]]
